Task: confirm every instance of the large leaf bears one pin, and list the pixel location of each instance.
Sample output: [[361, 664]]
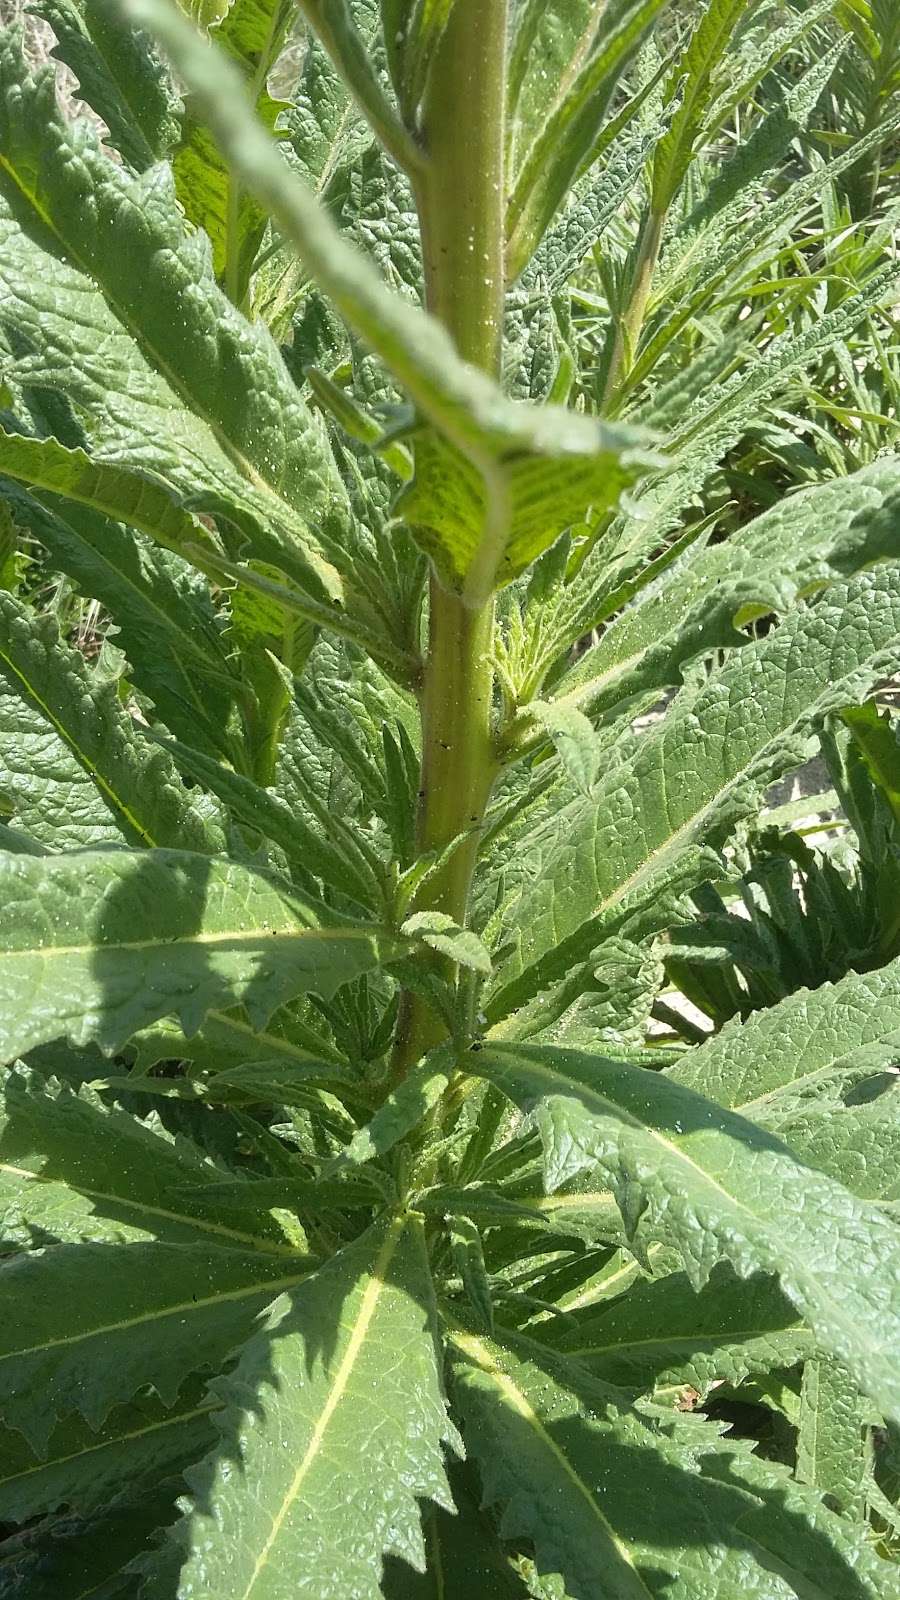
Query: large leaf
[[84, 1467], [803, 543], [527, 467], [712, 1185], [664, 1334], [802, 1053], [113, 490], [97, 946], [625, 1506], [336, 1413], [137, 783], [90, 1325], [600, 859], [73, 1168]]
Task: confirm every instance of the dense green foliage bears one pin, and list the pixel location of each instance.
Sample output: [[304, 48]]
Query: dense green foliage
[[423, 394]]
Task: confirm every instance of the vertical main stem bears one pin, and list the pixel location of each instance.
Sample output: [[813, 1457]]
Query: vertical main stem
[[461, 199]]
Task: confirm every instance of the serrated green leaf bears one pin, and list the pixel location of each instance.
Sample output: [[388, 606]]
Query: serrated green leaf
[[802, 544], [452, 505], [311, 849], [344, 1371], [73, 1168], [84, 1467], [690, 780], [695, 73], [163, 613], [801, 1053], [401, 1112], [47, 794], [135, 1315], [616, 1501], [859, 1145], [468, 1259], [197, 341], [711, 1185], [465, 1558], [664, 1334], [834, 1450], [45, 464], [97, 946], [577, 745], [563, 146], [441, 933], [119, 77], [335, 23]]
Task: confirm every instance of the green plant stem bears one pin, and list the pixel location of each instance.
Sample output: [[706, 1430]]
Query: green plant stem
[[461, 202], [628, 331]]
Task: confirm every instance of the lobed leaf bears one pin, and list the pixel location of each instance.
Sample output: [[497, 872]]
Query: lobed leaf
[[343, 1373], [72, 1168], [712, 1185], [599, 860], [616, 1501], [136, 1315], [98, 945]]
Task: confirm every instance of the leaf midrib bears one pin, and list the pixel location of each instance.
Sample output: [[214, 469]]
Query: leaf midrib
[[478, 1352], [355, 1343], [267, 1286], [238, 939]]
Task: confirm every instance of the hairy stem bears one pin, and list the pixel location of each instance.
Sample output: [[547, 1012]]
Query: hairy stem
[[461, 201]]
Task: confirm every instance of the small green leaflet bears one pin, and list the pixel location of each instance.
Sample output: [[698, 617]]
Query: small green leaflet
[[401, 1112], [336, 1413], [99, 945]]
